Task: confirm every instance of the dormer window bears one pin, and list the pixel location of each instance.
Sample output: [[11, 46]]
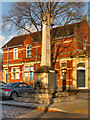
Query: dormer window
[[28, 51], [15, 53]]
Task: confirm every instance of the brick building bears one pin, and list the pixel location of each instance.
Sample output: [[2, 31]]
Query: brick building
[[22, 56]]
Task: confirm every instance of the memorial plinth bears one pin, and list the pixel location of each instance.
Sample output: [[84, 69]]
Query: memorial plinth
[[47, 77]]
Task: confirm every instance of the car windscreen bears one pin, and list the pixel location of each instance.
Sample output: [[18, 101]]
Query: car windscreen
[[10, 84]]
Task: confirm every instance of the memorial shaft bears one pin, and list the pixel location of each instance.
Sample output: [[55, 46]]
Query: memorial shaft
[[46, 49]]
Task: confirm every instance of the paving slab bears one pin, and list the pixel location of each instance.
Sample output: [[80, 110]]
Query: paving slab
[[75, 106]]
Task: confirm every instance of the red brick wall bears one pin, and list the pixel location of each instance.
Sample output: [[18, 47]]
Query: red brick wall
[[1, 75], [81, 32]]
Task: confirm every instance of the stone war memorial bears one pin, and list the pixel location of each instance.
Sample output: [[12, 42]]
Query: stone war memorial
[[45, 75], [45, 86]]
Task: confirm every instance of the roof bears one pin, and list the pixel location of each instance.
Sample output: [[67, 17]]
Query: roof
[[16, 41], [19, 40], [66, 30], [63, 31]]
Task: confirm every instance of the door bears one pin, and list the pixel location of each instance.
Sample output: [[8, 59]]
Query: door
[[64, 81], [80, 78]]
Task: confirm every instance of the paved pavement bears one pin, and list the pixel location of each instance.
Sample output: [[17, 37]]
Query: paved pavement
[[9, 112], [13, 111], [77, 106]]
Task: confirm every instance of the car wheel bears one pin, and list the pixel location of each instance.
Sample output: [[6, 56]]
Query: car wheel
[[13, 95]]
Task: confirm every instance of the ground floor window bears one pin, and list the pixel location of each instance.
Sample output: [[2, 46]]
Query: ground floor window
[[15, 73], [63, 71], [28, 72], [63, 75], [31, 73], [26, 75]]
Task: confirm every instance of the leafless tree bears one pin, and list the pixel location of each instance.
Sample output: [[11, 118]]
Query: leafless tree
[[25, 15]]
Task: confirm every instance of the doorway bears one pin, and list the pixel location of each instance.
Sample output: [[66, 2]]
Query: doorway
[[64, 81], [81, 75], [80, 78]]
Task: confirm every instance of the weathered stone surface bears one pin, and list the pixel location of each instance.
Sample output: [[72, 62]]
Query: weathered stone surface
[[45, 96], [64, 93]]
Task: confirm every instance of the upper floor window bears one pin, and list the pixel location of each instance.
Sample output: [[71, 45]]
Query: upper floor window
[[15, 53], [28, 51]]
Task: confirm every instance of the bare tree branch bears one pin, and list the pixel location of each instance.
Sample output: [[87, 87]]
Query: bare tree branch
[[23, 15]]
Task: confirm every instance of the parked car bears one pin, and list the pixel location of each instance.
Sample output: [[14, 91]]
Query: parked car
[[2, 84], [15, 89]]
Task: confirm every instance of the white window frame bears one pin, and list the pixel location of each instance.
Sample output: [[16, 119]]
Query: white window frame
[[30, 51], [16, 72], [15, 52], [28, 71], [31, 71], [28, 75], [63, 68]]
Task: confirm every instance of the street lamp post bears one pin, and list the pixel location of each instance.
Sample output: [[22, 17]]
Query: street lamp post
[[22, 69], [36, 53], [7, 72]]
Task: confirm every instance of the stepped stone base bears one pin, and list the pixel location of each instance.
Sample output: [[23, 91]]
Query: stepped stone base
[[45, 96]]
